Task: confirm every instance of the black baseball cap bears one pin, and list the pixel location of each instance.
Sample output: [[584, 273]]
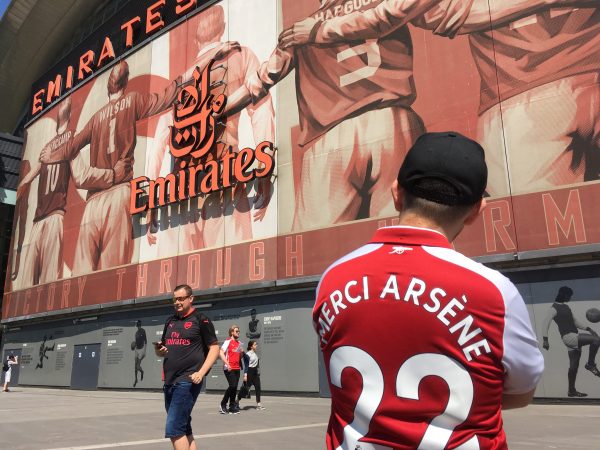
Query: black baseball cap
[[449, 159]]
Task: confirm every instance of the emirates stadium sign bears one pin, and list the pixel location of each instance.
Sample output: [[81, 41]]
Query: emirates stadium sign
[[206, 165], [113, 39]]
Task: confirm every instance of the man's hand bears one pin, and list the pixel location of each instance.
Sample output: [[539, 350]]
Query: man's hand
[[21, 189], [160, 349], [121, 170], [304, 32], [45, 155], [264, 191], [196, 377], [227, 48], [152, 224], [245, 377], [546, 344]]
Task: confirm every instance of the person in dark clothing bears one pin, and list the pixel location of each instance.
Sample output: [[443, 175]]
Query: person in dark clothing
[[139, 347], [251, 375], [254, 328], [43, 349], [568, 327], [189, 347]]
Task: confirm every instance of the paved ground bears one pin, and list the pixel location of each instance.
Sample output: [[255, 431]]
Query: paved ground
[[32, 418]]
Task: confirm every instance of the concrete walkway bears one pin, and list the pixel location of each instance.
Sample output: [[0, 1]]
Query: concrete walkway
[[32, 418]]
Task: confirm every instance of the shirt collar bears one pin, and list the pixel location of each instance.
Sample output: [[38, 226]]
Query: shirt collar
[[410, 236], [187, 315], [208, 48]]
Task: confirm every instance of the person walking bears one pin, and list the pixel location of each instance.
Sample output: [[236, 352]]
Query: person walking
[[251, 364], [463, 346], [230, 354], [10, 362], [189, 348]]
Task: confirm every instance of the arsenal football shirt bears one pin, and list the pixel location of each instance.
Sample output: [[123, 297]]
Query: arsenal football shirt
[[185, 339], [420, 343]]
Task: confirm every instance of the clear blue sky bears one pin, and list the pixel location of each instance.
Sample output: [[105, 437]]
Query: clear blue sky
[[3, 5]]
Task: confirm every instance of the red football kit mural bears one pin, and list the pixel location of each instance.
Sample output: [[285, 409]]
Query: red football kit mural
[[222, 216], [356, 122], [521, 76], [111, 135]]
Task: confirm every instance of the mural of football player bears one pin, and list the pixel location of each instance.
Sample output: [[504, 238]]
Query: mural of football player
[[43, 261], [223, 215], [105, 238], [254, 326], [540, 82], [43, 350], [356, 121], [568, 327], [139, 344]]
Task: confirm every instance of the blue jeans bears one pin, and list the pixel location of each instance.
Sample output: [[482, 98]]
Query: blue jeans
[[180, 398]]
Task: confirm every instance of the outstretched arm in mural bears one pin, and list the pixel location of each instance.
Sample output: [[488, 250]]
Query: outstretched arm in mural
[[161, 142], [451, 17], [25, 182], [149, 104], [546, 327], [252, 95], [262, 118], [256, 87], [69, 149], [446, 17], [22, 205], [146, 105], [94, 178], [224, 50], [374, 23]]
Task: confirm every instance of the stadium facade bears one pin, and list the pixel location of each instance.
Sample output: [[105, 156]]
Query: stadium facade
[[182, 144]]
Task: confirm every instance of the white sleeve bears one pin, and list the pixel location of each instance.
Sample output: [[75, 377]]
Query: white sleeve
[[523, 362], [225, 346]]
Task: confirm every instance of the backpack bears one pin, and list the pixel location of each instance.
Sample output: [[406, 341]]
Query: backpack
[[5, 367]]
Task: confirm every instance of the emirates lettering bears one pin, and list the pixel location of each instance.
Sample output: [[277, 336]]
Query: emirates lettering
[[451, 312], [178, 341]]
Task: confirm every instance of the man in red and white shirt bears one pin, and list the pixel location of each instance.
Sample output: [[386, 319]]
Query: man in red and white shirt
[[230, 354], [221, 216], [537, 57], [44, 258], [356, 119], [106, 235], [463, 348]]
